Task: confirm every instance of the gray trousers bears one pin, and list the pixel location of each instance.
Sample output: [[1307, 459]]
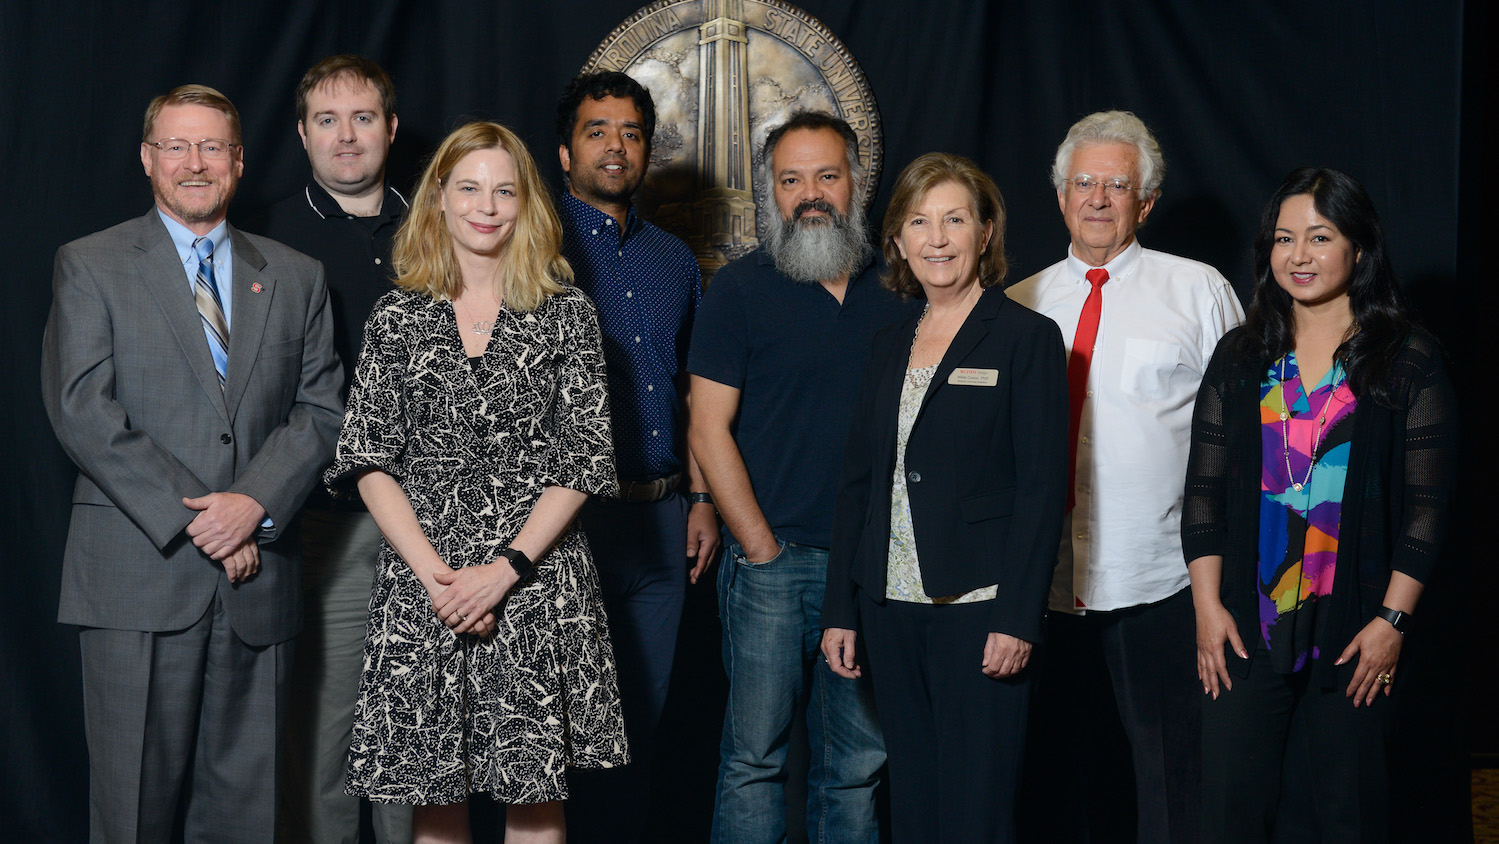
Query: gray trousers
[[188, 715], [340, 551]]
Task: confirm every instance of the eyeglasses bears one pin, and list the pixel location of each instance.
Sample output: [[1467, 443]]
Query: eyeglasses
[[1085, 184], [213, 149]]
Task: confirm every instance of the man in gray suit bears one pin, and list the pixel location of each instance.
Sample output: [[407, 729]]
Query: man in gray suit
[[188, 369]]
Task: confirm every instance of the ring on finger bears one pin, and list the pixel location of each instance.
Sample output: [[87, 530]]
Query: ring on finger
[[1384, 677]]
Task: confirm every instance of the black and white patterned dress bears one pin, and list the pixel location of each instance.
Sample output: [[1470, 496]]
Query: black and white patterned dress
[[440, 715]]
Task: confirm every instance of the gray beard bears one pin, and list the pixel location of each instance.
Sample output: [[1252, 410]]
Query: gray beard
[[818, 249]]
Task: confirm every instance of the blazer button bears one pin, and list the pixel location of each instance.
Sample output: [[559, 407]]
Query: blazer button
[[225, 439], [914, 477]]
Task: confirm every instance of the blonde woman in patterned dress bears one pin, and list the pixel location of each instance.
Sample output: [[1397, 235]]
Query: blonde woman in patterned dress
[[959, 452], [477, 424]]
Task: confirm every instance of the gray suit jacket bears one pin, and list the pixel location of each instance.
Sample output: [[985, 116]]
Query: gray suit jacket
[[130, 388]]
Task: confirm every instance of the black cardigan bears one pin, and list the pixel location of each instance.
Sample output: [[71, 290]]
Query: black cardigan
[[1400, 475]]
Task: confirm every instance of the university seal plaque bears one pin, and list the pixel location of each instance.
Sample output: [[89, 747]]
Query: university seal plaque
[[723, 73]]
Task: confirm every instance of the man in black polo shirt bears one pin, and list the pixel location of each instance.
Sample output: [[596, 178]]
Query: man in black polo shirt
[[780, 342], [345, 217]]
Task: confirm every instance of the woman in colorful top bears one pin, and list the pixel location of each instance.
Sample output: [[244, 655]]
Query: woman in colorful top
[[477, 423], [1323, 451], [949, 511]]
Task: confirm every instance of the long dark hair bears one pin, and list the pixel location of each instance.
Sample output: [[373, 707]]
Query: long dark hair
[[1374, 297]]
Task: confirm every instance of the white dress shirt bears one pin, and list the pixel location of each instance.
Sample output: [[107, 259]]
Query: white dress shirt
[[1161, 318]]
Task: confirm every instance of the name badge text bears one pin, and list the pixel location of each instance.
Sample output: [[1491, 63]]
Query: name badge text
[[965, 377]]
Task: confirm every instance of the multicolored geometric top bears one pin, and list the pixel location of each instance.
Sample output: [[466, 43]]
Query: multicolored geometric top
[[1305, 463]]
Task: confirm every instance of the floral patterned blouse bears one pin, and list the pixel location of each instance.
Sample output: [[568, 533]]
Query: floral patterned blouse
[[903, 574]]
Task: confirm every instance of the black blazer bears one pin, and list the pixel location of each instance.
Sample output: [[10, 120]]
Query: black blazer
[[986, 468]]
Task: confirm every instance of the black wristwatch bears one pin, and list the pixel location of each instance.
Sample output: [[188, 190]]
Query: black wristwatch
[[1396, 618], [699, 498], [522, 564]]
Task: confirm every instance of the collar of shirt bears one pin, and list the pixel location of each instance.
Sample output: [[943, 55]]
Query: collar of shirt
[[223, 260], [325, 206], [1119, 269], [582, 217]]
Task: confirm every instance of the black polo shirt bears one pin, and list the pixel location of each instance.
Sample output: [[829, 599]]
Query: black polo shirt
[[355, 252], [797, 357]]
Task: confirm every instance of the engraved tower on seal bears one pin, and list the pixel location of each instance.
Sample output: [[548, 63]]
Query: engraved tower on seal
[[725, 202], [723, 73]]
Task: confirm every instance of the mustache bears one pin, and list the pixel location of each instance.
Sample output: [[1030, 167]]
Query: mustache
[[814, 205]]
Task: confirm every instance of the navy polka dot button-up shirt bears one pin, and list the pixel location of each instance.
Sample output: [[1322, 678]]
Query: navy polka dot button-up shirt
[[647, 285]]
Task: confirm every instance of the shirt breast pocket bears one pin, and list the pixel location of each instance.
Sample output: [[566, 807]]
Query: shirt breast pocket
[[1148, 365]]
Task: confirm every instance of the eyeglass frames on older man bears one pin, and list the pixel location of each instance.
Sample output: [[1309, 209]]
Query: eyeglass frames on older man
[[1083, 183], [212, 149]]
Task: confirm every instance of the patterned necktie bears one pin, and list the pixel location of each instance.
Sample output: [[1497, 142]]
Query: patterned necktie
[[1077, 372], [211, 308]]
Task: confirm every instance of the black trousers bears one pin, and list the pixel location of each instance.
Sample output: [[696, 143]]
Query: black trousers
[[638, 549], [1117, 702], [954, 738], [1247, 733]]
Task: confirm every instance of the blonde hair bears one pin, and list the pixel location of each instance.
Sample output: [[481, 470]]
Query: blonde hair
[[531, 267], [912, 185], [192, 95]]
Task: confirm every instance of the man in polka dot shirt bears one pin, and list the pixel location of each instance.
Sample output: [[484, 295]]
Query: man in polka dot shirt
[[662, 530]]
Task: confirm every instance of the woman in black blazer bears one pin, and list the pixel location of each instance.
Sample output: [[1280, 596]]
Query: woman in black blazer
[[959, 450]]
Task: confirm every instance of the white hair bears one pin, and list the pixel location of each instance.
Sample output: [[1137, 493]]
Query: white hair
[[1113, 127]]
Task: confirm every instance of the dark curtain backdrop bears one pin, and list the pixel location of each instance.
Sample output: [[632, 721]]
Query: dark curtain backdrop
[[1237, 93]]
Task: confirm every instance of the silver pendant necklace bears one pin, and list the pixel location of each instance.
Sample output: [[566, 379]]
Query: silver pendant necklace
[[478, 326], [1285, 428]]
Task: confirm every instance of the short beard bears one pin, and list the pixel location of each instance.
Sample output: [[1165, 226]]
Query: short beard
[[818, 248]]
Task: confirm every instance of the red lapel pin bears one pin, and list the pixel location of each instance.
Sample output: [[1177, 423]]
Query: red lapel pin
[[256, 288]]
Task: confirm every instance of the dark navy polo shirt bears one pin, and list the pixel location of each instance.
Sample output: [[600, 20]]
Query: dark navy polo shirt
[[647, 285], [797, 356]]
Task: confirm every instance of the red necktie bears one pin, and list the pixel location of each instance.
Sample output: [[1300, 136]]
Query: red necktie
[[1077, 372]]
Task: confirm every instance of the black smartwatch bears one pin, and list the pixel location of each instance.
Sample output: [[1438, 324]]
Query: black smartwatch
[[1396, 618], [520, 562]]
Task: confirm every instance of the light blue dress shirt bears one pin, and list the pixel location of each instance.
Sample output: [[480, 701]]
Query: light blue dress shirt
[[223, 270]]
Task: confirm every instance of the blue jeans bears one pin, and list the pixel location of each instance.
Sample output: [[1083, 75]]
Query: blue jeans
[[772, 631]]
